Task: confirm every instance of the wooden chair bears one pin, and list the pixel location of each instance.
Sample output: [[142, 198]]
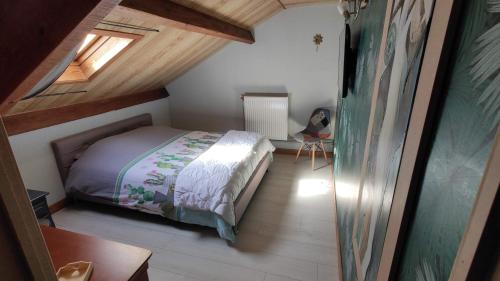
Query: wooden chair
[[314, 136]]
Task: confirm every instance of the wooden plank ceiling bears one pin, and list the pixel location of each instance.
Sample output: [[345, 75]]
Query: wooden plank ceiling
[[159, 57]]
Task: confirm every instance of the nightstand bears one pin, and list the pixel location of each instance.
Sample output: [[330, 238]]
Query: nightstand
[[39, 202]]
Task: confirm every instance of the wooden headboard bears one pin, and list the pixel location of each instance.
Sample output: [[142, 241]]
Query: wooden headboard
[[66, 150]]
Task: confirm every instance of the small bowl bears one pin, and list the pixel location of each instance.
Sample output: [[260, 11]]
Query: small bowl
[[75, 271]]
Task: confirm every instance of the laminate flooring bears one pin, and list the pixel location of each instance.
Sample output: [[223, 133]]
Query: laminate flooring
[[286, 234]]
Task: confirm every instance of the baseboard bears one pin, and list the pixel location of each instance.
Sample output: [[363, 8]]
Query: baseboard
[[337, 230], [59, 205], [291, 151]]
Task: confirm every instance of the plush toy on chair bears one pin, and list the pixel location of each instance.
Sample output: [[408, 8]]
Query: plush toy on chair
[[313, 136]]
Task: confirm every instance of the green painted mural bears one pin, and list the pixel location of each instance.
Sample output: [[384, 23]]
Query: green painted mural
[[462, 143], [363, 214], [406, 37], [352, 123]]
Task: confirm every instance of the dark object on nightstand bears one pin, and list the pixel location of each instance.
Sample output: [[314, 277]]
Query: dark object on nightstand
[[39, 202]]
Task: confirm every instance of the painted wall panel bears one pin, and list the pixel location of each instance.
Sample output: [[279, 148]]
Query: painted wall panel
[[462, 143], [402, 56], [352, 125], [364, 195]]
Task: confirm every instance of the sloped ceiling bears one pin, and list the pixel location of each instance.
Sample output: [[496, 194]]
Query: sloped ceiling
[[159, 57]]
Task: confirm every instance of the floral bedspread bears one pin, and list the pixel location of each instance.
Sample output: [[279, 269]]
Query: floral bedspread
[[148, 182]]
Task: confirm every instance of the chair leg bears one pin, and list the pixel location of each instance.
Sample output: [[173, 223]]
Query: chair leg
[[313, 154], [324, 151], [298, 153]]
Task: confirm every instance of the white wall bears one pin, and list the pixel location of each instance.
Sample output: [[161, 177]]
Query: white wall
[[34, 155], [283, 59]]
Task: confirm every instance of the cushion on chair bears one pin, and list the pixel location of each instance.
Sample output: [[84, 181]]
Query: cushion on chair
[[301, 137], [317, 128]]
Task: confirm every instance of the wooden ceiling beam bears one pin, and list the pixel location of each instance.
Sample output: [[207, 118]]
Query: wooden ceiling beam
[[188, 19], [29, 121], [37, 35]]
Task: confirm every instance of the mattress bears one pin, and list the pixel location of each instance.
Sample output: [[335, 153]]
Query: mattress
[[139, 169]]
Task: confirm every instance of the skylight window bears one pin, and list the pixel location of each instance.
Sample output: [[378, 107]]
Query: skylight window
[[88, 39], [98, 50], [117, 47]]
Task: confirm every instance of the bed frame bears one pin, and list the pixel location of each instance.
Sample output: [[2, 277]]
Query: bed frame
[[67, 149]]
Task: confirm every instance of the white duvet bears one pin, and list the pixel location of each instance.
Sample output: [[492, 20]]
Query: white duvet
[[214, 180]]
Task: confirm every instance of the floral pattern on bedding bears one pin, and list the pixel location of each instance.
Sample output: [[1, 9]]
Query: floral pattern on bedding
[[148, 182]]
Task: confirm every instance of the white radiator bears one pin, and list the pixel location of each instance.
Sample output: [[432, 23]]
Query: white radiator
[[267, 114]]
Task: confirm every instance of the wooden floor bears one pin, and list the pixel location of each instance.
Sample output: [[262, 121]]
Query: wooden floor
[[287, 233]]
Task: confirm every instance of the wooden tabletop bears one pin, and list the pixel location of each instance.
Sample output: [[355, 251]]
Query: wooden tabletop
[[111, 260]]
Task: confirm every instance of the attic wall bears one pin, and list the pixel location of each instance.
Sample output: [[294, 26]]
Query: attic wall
[[283, 59], [34, 155]]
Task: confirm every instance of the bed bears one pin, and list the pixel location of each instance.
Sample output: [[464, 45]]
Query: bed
[[194, 177]]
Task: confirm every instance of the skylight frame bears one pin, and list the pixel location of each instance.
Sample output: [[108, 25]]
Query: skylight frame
[[82, 70]]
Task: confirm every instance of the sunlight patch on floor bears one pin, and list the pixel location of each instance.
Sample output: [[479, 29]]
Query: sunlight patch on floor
[[313, 187]]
